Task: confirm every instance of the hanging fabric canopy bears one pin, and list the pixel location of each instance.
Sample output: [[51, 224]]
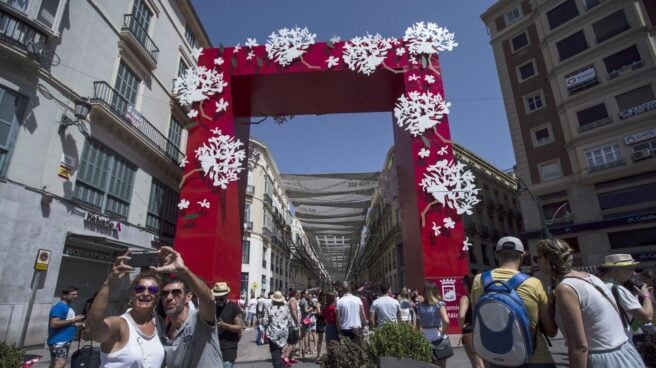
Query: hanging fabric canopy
[[332, 209]]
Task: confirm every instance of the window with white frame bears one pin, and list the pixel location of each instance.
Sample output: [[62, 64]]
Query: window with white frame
[[519, 42], [513, 15], [190, 37], [12, 107], [604, 157], [21, 5], [533, 102], [245, 251], [174, 137], [105, 180], [526, 71], [127, 88], [550, 170], [542, 135], [48, 12]]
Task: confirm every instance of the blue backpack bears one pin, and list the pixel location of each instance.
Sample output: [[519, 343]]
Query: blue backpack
[[502, 327]]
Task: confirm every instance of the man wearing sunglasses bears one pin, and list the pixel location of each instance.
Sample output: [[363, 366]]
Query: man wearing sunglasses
[[229, 323], [189, 335]]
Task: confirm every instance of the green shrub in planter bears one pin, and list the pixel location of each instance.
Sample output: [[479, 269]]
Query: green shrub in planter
[[11, 356], [347, 354], [399, 340]]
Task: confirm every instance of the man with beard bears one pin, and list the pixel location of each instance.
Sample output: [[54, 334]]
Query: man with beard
[[189, 335], [229, 323]]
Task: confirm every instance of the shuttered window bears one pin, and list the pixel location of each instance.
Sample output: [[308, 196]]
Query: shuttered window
[[162, 209], [105, 180]]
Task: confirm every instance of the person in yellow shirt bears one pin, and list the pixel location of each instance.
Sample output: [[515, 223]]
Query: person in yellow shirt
[[510, 253]]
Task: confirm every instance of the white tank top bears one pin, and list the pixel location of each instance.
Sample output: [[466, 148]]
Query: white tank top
[[140, 351]]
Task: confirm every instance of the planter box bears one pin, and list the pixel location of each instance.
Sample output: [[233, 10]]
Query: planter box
[[394, 362]]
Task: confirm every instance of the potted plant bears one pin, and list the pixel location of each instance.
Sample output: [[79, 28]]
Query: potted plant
[[347, 354], [11, 356], [400, 345]]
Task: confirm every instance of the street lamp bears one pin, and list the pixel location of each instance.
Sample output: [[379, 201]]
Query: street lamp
[[81, 111], [522, 187]]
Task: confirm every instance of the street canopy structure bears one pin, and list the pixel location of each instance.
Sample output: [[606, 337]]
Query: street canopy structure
[[332, 209]]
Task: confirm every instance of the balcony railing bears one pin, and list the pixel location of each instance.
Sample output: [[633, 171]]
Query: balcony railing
[[20, 33], [110, 98], [132, 25]]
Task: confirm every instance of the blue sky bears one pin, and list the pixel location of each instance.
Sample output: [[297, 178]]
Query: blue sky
[[359, 142]]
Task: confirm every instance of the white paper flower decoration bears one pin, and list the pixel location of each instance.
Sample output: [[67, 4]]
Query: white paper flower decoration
[[400, 51], [437, 230], [184, 161], [221, 105], [420, 111], [192, 113], [428, 39], [285, 45], [251, 42], [198, 84], [335, 38], [364, 54], [466, 244], [236, 48], [204, 203], [429, 79], [183, 204], [196, 53], [443, 150], [413, 77], [218, 61], [424, 152], [452, 185], [449, 223], [221, 158], [250, 55], [332, 62]]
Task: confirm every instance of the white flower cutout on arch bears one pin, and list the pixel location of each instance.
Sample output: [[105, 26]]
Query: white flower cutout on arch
[[285, 45], [428, 39], [198, 84], [365, 54], [221, 158], [451, 185], [420, 111]]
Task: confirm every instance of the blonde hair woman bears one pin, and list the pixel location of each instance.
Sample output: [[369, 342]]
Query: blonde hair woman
[[433, 320], [586, 312]]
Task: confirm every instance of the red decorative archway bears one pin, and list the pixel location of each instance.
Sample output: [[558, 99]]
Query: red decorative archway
[[292, 75]]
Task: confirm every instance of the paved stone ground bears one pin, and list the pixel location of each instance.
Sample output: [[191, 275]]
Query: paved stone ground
[[251, 355]]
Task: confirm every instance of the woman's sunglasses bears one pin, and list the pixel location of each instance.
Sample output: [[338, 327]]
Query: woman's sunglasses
[[138, 289]]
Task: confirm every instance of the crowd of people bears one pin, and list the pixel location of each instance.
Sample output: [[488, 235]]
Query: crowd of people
[[179, 321]]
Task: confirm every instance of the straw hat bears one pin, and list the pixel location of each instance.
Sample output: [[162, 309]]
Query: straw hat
[[278, 297], [619, 260], [220, 289]]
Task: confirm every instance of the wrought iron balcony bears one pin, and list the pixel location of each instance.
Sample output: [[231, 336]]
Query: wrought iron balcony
[[124, 111], [132, 30], [17, 32]]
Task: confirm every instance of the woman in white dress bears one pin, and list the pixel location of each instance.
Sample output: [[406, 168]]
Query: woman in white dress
[[129, 340]]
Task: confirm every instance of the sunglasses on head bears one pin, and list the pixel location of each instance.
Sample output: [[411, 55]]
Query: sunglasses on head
[[138, 289], [177, 293]]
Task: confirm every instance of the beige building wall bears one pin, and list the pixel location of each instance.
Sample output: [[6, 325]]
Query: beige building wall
[[579, 84]]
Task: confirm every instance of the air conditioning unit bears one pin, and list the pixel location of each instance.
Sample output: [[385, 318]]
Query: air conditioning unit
[[642, 154]]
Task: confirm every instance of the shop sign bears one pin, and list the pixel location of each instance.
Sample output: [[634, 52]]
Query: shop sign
[[89, 254], [102, 222], [134, 116], [637, 110], [639, 137], [580, 77]]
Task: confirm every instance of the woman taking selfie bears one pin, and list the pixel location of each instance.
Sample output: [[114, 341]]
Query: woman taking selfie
[[129, 340], [586, 312]]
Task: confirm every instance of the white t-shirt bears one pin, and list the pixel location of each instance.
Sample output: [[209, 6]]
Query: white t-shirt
[[601, 322], [349, 312], [627, 302], [252, 305], [386, 309]]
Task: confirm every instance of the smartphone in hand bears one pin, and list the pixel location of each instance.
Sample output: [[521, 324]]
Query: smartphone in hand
[[144, 259]]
